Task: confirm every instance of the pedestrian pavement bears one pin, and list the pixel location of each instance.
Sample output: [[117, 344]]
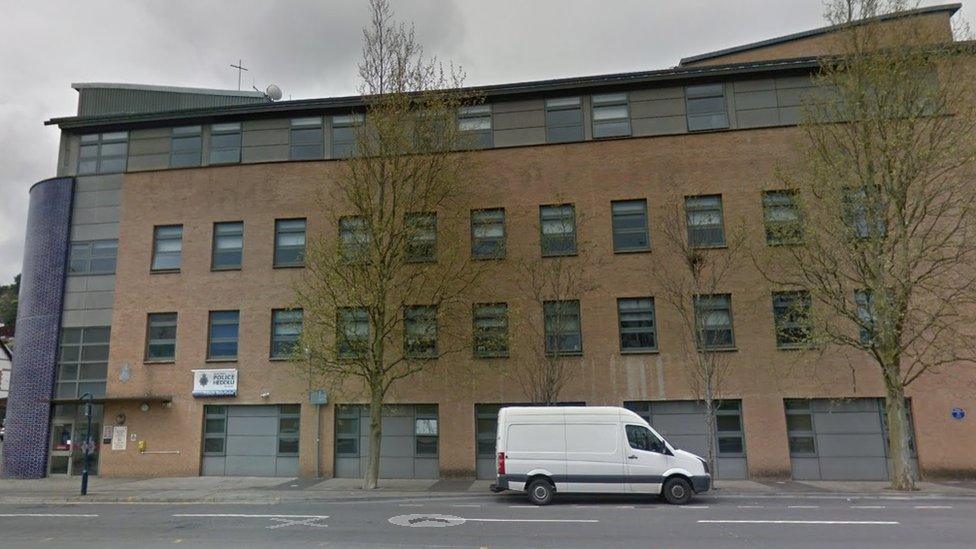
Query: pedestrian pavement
[[273, 490]]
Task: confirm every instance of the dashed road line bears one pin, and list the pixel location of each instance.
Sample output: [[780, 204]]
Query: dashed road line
[[803, 507], [693, 507], [43, 515], [933, 507], [242, 515], [466, 505], [750, 506], [854, 522], [409, 505], [867, 506]]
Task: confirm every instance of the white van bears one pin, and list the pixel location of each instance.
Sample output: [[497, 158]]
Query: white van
[[599, 449]]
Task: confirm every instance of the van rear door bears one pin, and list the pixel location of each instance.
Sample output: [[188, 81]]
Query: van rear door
[[594, 455], [646, 459]]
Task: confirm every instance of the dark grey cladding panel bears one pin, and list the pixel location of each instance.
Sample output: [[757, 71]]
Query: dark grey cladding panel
[[93, 101], [38, 327]]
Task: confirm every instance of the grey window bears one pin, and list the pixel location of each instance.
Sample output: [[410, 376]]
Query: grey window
[[475, 122], [791, 318], [486, 428], [641, 438], [222, 336], [307, 138], [865, 213], [225, 143], [611, 115], [186, 147], [488, 233], [167, 247], [706, 108], [490, 330], [638, 330], [564, 120], [345, 134], [288, 426], [93, 257], [352, 332], [704, 219], [630, 226], [161, 337], [799, 427], [214, 430], [562, 322], [713, 319], [781, 216], [420, 331], [728, 424], [558, 224], [347, 430], [289, 243], [103, 153], [353, 238], [729, 436], [421, 236], [864, 300], [286, 329], [228, 245], [426, 430], [82, 362]]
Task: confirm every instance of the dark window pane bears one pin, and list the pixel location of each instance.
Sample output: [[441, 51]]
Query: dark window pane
[[802, 445], [799, 422], [728, 422], [427, 446], [213, 445], [288, 445], [214, 426], [347, 446], [729, 445]]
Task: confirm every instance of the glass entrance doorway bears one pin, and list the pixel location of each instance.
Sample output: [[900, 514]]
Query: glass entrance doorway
[[68, 429]]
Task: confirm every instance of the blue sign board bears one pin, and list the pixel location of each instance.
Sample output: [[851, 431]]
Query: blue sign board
[[958, 413]]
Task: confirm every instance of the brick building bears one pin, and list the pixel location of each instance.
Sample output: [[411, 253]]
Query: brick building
[[160, 263]]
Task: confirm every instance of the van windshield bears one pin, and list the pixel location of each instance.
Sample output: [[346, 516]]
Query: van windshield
[[641, 438]]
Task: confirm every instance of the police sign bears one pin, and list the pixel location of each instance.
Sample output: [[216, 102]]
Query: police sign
[[208, 383]]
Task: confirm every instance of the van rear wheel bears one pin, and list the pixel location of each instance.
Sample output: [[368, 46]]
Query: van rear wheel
[[541, 492], [677, 491]]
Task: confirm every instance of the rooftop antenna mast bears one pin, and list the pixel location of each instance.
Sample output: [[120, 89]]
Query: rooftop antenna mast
[[240, 71]]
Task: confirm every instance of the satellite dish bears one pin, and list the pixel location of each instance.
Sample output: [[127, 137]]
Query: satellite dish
[[273, 92]]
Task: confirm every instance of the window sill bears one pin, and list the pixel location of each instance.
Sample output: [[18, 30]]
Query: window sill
[[490, 357], [223, 269], [720, 350], [172, 361], [567, 354], [633, 251], [301, 266], [281, 359], [164, 271], [710, 247], [795, 348], [640, 352], [221, 360], [568, 254]]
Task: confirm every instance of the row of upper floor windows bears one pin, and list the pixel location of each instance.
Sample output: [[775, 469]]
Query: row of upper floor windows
[[705, 107]]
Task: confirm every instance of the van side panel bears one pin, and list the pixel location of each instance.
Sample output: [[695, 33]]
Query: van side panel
[[594, 456], [534, 445]]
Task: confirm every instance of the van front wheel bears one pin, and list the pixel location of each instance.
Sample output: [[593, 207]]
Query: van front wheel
[[541, 492], [677, 491]]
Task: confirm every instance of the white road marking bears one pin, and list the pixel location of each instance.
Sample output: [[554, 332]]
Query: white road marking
[[803, 507], [865, 522], [867, 506], [750, 506], [19, 515], [693, 507], [524, 507], [466, 505], [410, 505], [624, 507], [933, 507], [444, 521], [241, 515], [528, 520], [289, 522]]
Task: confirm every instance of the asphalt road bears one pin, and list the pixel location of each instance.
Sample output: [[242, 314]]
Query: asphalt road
[[501, 521]]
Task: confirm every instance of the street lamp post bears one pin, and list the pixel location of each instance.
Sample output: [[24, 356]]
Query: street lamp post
[[86, 446]]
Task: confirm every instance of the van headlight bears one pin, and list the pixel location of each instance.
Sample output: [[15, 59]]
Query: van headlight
[[705, 466]]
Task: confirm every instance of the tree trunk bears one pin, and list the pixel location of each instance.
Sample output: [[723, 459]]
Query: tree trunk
[[371, 480], [711, 431], [899, 451]]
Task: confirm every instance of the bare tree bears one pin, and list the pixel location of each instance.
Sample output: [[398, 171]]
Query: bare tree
[[694, 281], [884, 189], [553, 282], [380, 298]]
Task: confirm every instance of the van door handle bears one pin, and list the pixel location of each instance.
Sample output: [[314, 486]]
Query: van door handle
[[631, 457]]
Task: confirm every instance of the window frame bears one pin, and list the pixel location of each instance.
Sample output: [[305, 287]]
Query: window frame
[[347, 247], [489, 333], [345, 148], [420, 313], [645, 230], [559, 105], [211, 340], [608, 101], [89, 256], [156, 252], [277, 263], [226, 129], [501, 241], [545, 242], [779, 232], [214, 412], [343, 314], [793, 408], [147, 358], [274, 352], [781, 324], [698, 92], [701, 340], [551, 336], [78, 339], [621, 330], [693, 229], [415, 240], [99, 142], [285, 413], [482, 138], [213, 250], [189, 134]]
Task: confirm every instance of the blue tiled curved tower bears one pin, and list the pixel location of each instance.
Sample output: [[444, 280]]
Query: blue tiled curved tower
[[38, 327]]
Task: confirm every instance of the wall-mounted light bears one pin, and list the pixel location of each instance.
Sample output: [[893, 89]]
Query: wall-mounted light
[[144, 407], [120, 419], [266, 394]]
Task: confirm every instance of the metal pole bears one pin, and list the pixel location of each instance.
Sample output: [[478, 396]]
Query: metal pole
[[87, 445]]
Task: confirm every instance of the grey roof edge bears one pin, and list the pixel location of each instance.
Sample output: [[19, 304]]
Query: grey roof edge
[[952, 8], [171, 89], [568, 85]]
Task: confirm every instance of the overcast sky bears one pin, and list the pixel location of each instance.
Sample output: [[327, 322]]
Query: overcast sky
[[310, 49]]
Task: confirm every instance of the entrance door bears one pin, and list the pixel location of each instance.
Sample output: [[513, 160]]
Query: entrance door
[[61, 442], [646, 460]]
